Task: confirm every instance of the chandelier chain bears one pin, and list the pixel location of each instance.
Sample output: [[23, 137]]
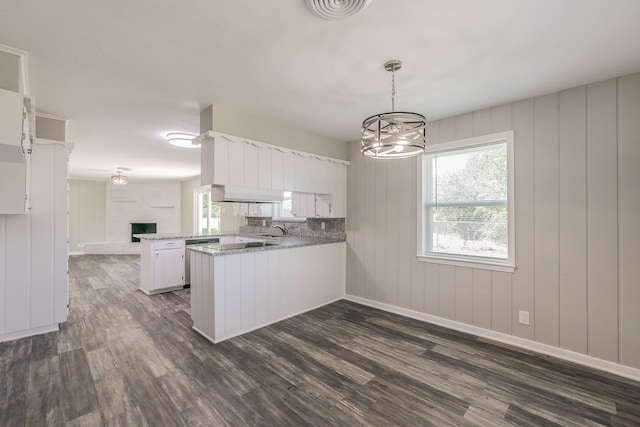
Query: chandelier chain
[[393, 90]]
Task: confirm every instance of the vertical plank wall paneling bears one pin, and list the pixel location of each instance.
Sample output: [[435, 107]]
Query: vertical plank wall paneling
[[523, 281], [577, 157], [629, 226], [602, 219], [391, 243], [545, 210], [380, 239], [406, 250], [573, 219], [501, 283]]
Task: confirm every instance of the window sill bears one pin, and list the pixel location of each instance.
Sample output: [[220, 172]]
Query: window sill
[[460, 262]]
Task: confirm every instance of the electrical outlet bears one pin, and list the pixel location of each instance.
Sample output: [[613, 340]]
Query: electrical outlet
[[322, 225], [264, 222], [524, 317]]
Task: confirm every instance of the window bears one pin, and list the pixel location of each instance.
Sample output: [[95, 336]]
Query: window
[[466, 206], [207, 213]]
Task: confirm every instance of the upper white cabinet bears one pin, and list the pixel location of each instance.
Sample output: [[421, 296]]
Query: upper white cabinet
[[277, 170], [11, 113], [260, 209], [234, 161], [303, 205], [15, 136], [265, 168]]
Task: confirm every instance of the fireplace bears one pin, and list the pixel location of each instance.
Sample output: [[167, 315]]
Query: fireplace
[[142, 228]]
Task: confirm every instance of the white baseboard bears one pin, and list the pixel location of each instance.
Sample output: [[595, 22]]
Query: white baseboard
[[571, 356], [29, 332], [76, 253]]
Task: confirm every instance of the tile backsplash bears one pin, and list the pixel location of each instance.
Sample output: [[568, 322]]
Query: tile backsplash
[[333, 227]]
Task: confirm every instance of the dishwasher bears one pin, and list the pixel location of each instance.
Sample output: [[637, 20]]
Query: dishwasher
[[187, 256]]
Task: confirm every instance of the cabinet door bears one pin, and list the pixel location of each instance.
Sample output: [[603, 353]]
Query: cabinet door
[[289, 171], [324, 205], [250, 165], [239, 209], [303, 205], [277, 170], [168, 268], [264, 167], [339, 191], [11, 108], [301, 173], [236, 163], [260, 209]]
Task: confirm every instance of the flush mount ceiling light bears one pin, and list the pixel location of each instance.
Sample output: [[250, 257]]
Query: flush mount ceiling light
[[120, 179], [181, 139], [394, 135], [336, 9]]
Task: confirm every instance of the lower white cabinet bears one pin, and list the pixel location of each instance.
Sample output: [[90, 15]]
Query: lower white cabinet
[[162, 266], [237, 293]]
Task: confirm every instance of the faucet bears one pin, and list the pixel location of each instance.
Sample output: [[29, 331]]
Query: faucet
[[282, 228]]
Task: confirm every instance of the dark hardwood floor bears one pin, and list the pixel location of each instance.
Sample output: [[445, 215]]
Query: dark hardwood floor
[[127, 359]]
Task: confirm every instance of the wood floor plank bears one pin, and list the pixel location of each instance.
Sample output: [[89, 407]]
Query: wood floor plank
[[45, 405], [78, 387], [125, 358]]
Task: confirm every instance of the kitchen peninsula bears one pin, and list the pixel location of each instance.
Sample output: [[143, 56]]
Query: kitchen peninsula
[[241, 282], [236, 289]]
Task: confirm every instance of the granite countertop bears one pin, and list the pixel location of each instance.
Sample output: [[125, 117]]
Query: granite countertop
[[168, 236], [277, 243]]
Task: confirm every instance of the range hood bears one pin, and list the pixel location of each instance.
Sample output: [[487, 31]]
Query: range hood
[[228, 193]]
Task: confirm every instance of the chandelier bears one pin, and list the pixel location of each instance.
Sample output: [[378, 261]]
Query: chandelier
[[394, 135], [120, 179]]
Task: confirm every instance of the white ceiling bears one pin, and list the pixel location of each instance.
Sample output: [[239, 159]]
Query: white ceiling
[[124, 73]]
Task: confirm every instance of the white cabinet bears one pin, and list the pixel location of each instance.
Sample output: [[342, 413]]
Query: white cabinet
[[250, 166], [214, 158], [265, 169], [33, 279], [303, 205], [260, 209], [11, 109], [168, 268], [252, 209], [161, 265], [237, 293], [240, 209], [14, 143], [277, 170], [289, 171], [237, 162]]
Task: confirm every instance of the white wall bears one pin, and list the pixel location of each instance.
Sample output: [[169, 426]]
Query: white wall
[[186, 205], [158, 202], [577, 205], [87, 213]]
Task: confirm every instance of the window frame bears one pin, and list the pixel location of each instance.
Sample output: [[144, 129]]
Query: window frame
[[197, 207], [508, 265]]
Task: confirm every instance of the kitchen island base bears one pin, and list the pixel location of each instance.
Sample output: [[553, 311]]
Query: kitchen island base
[[232, 294]]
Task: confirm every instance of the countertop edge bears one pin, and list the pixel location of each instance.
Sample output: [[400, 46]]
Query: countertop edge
[[289, 243]]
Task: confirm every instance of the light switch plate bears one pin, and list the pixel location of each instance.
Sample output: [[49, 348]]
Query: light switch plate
[[523, 317]]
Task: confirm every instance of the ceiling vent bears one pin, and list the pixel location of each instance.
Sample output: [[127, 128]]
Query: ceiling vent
[[336, 9]]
